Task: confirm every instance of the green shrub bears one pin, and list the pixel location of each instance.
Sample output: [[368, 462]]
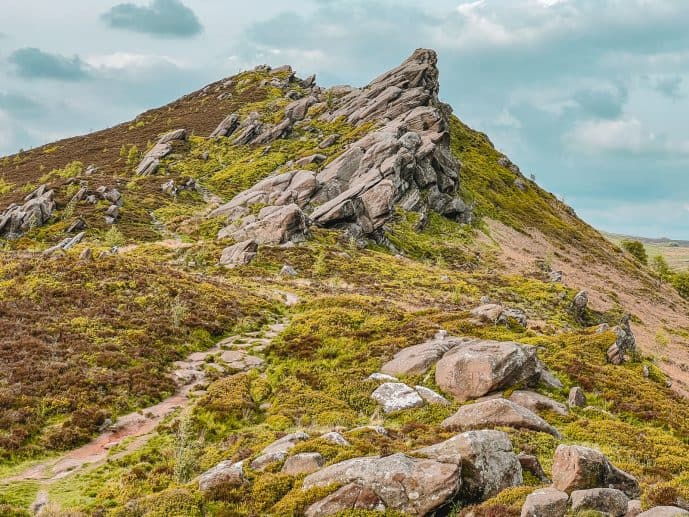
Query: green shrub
[[637, 250]]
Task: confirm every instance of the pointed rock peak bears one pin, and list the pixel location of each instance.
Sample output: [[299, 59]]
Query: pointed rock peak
[[418, 70]]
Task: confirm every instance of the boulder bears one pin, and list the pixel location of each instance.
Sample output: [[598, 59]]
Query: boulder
[[431, 397], [497, 413], [239, 254], [576, 397], [488, 463], [381, 377], [418, 359], [480, 367], [335, 438], [413, 485], [224, 474], [633, 508], [625, 342], [303, 463], [664, 511], [277, 451], [608, 501], [396, 396], [350, 497], [579, 304], [227, 126], [272, 225], [487, 313], [545, 502], [580, 468], [36, 211], [537, 402]]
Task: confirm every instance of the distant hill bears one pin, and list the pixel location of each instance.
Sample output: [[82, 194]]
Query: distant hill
[[676, 252]]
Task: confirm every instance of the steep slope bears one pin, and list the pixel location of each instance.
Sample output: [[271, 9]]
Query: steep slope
[[357, 223]]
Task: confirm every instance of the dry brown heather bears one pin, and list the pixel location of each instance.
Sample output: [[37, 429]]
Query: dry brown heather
[[82, 341]]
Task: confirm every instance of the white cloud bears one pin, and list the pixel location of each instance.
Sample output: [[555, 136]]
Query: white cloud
[[126, 60], [627, 134]]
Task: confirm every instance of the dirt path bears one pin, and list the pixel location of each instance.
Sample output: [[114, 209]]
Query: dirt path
[[232, 354]]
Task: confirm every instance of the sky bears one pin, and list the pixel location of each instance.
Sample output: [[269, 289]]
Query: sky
[[590, 96]]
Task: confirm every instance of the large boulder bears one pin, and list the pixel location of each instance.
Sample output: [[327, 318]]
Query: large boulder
[[579, 468], [546, 502], [225, 474], [36, 211], [480, 367], [608, 501], [497, 413], [303, 463], [272, 225], [419, 358], [239, 254], [537, 402], [412, 485], [488, 463], [396, 396]]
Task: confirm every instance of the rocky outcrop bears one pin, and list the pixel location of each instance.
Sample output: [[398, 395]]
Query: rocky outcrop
[[580, 468], [303, 463], [548, 502], [239, 254], [579, 304], [406, 162], [403, 483], [480, 367], [576, 397], [151, 161], [37, 209], [625, 342], [272, 225], [608, 501], [497, 413], [664, 511], [488, 463], [227, 126]]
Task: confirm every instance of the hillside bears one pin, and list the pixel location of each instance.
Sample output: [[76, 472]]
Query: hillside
[[192, 305], [675, 252]]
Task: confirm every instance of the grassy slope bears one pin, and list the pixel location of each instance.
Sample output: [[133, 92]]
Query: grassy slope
[[358, 308], [676, 253]]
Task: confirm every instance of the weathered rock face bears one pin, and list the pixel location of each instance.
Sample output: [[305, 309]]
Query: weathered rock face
[[548, 502], [497, 413], [419, 358], [239, 254], [488, 463], [273, 224], [664, 511], [37, 209], [349, 497], [224, 474], [576, 397], [304, 463], [396, 396], [405, 162], [151, 161], [580, 468], [414, 485], [625, 342], [477, 368], [608, 501], [277, 450]]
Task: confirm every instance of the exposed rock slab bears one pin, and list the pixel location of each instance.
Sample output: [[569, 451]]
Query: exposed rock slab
[[224, 474], [544, 502], [497, 413], [303, 463], [419, 358], [396, 396], [608, 501], [537, 402], [350, 497], [664, 511], [277, 451], [239, 254]]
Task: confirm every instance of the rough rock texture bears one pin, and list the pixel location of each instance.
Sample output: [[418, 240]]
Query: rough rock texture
[[396, 396], [227, 126], [349, 497], [419, 358], [546, 502], [488, 463], [414, 485], [531, 464], [581, 300], [576, 397], [625, 342], [579, 468], [239, 254], [277, 450], [495, 413], [537, 402], [37, 209], [480, 367], [405, 162], [487, 313], [240, 360], [633, 508], [151, 161], [303, 463], [605, 500], [664, 511], [431, 397], [224, 474], [335, 438], [273, 224]]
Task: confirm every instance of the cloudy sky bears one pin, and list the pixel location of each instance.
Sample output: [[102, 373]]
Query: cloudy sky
[[591, 96]]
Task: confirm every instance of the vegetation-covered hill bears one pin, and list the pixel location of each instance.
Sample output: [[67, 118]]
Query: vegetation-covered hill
[[106, 312]]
